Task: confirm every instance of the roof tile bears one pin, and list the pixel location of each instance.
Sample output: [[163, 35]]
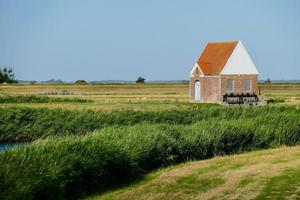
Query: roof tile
[[215, 56]]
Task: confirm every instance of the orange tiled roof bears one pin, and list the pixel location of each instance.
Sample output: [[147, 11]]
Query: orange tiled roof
[[215, 56]]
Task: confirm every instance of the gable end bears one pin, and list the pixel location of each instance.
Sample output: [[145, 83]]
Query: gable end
[[239, 62], [196, 71]]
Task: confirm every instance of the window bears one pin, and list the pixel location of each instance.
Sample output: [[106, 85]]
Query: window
[[197, 72], [230, 85], [248, 85]]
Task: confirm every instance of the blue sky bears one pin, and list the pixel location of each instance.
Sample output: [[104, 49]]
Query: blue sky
[[160, 40]]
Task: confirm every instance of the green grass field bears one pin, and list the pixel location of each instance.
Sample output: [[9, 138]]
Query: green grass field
[[106, 138], [133, 97], [266, 174], [71, 161]]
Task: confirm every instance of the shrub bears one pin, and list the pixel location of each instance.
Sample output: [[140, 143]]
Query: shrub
[[7, 75], [140, 80], [81, 82]]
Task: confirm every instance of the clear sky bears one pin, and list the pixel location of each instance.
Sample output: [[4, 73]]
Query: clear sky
[[157, 39]]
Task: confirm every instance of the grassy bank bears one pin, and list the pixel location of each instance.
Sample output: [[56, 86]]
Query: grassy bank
[[27, 124], [72, 167], [267, 174]]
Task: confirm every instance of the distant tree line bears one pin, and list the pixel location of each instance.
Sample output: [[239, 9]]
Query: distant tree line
[[7, 75]]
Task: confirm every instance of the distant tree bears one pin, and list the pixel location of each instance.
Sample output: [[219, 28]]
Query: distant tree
[[140, 80], [7, 75], [80, 82], [268, 80]]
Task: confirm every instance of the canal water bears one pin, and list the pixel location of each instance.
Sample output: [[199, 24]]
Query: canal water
[[6, 146]]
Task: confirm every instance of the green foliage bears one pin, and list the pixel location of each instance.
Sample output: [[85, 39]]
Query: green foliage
[[7, 75], [127, 144], [140, 80], [72, 166], [38, 99], [81, 82], [268, 80], [28, 124]]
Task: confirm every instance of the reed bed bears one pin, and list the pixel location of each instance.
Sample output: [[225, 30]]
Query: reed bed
[[128, 145], [21, 124]]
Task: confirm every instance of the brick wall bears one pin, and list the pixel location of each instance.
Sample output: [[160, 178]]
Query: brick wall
[[210, 88], [192, 87], [238, 83], [213, 87]]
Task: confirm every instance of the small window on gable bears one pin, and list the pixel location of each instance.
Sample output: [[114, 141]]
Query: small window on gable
[[197, 72], [248, 85], [230, 85]]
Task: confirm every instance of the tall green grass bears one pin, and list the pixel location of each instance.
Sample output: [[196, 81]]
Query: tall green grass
[[28, 124], [73, 166]]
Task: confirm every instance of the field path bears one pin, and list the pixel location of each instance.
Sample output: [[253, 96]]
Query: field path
[[267, 174]]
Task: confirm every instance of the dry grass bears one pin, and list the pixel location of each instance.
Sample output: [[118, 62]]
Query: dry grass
[[156, 91], [256, 175], [289, 92], [107, 97], [132, 96]]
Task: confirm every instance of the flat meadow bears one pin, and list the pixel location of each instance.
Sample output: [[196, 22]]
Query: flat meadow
[[133, 96], [84, 139], [107, 97]]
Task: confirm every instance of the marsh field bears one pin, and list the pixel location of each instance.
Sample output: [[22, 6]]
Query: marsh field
[[132, 96], [145, 141]]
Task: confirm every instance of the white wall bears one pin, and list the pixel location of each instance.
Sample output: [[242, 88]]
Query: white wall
[[239, 62]]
